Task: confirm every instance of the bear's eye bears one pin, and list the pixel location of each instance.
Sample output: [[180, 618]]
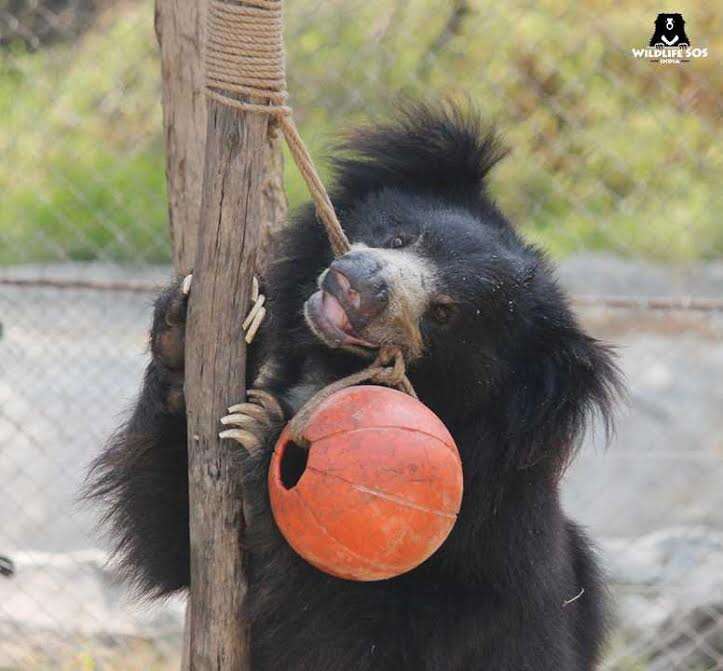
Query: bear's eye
[[443, 311]]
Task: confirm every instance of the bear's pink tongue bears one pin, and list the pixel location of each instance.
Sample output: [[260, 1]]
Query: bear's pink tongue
[[330, 317], [334, 313]]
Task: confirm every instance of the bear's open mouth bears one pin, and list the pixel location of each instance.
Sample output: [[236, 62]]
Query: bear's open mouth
[[329, 321]]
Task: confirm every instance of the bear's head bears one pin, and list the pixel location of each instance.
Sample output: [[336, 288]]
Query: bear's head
[[437, 269]]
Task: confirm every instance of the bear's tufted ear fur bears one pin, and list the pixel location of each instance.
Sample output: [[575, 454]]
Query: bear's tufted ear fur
[[435, 149], [558, 388]]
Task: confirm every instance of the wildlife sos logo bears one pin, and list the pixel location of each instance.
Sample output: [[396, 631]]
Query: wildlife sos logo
[[670, 43]]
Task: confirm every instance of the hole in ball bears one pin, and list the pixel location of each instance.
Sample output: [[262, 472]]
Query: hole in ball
[[293, 464]]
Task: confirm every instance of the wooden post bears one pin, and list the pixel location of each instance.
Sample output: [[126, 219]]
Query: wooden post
[[180, 30], [229, 233]]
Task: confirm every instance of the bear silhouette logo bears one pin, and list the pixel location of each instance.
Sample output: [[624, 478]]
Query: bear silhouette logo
[[669, 31]]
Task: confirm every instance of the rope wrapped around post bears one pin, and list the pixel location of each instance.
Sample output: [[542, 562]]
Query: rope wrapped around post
[[245, 57], [245, 69]]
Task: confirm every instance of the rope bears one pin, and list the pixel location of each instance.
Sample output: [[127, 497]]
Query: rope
[[388, 369], [244, 55]]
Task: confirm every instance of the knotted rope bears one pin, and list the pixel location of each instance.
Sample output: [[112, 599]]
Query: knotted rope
[[380, 372], [244, 59]]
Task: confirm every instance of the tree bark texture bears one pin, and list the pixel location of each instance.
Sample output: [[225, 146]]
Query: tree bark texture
[[232, 215], [180, 29]]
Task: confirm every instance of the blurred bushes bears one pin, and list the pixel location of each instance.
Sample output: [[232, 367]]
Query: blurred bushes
[[82, 174], [608, 152], [40, 22]]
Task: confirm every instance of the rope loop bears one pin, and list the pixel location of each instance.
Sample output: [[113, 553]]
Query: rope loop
[[388, 369]]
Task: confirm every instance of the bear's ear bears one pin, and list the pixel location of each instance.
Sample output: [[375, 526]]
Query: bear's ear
[[443, 149], [561, 384]]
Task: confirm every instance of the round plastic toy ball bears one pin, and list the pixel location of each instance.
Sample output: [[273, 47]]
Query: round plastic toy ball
[[376, 492]]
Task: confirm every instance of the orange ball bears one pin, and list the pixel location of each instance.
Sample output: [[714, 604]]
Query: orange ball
[[378, 490]]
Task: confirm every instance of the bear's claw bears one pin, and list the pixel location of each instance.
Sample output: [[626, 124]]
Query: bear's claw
[[268, 402], [186, 285], [248, 440], [257, 313], [251, 421]]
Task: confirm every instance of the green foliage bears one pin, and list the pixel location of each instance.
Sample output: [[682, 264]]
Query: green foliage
[[82, 174], [609, 152]]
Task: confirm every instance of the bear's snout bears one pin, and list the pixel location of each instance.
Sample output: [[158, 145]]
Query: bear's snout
[[357, 283]]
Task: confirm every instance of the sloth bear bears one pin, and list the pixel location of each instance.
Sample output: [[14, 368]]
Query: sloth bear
[[669, 31], [492, 347]]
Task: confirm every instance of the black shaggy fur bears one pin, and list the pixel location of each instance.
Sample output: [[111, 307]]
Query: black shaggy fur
[[514, 378]]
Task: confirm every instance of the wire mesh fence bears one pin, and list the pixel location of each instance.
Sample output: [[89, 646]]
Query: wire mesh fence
[[614, 169]]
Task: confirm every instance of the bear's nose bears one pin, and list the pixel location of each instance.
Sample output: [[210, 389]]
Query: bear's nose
[[355, 280]]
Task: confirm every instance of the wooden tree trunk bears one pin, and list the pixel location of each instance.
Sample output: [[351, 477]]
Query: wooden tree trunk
[[180, 29], [229, 234], [274, 206]]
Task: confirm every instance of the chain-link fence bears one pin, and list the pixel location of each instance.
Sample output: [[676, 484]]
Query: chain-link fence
[[615, 169]]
